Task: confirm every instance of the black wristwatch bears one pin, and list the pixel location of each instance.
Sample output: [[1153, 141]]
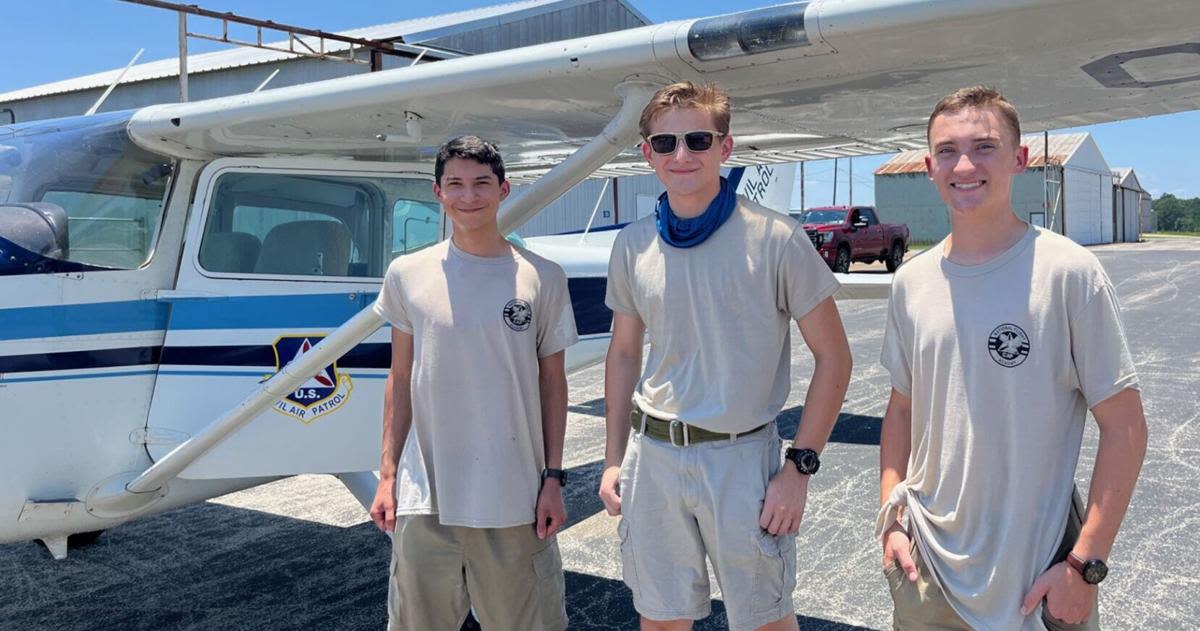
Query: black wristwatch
[[1092, 571], [806, 460], [557, 474]]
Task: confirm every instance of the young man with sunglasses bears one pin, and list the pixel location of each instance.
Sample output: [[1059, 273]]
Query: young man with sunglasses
[[715, 280], [474, 416], [999, 339]]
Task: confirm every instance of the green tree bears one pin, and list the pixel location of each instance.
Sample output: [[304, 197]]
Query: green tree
[[1177, 215]]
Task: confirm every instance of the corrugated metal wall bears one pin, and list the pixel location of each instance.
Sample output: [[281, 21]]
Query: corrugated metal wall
[[522, 28], [1087, 205], [571, 211], [201, 86], [910, 198], [591, 18]]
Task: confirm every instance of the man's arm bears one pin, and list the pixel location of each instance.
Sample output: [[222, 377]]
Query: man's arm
[[397, 419], [622, 367], [1118, 462], [895, 445], [787, 492], [552, 390]]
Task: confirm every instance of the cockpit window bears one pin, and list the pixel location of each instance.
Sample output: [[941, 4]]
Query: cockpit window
[[78, 195]]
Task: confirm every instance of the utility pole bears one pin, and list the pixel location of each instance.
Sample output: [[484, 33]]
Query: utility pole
[[850, 180], [802, 186], [834, 203], [183, 47]]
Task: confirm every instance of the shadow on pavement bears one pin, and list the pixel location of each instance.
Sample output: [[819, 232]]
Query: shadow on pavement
[[855, 429], [604, 604]]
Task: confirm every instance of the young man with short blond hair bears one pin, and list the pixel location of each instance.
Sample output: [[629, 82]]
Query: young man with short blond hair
[[715, 280], [474, 417], [999, 339]]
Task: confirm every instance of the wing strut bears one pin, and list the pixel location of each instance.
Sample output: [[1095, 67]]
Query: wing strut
[[124, 495], [620, 133]]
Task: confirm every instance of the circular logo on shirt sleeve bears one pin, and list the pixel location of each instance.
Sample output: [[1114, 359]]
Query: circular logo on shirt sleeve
[[1008, 345], [518, 314]]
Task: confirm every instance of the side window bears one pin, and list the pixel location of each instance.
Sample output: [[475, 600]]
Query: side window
[[415, 225], [315, 224], [868, 215], [108, 230]]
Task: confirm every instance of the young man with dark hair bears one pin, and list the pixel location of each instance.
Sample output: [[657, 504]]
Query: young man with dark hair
[[999, 339], [474, 417], [715, 280]]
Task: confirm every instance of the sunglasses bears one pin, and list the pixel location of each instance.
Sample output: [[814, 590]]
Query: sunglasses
[[696, 141]]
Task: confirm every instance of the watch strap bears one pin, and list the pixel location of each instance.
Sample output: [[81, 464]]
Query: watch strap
[[557, 474], [807, 461]]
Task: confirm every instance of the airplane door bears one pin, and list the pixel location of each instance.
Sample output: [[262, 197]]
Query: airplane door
[[278, 254]]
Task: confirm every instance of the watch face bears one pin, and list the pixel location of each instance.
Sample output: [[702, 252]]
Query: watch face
[[1094, 571], [807, 461]]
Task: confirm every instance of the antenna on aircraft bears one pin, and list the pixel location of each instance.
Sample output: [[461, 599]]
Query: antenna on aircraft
[[113, 85]]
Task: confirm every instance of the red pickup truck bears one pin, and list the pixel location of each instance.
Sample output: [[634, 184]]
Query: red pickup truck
[[843, 234]]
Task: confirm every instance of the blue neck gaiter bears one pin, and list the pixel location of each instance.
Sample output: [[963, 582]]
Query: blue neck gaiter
[[688, 233]]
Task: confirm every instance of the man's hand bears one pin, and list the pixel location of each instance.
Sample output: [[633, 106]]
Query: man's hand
[[551, 514], [1068, 597], [610, 490], [383, 509], [895, 550], [783, 507]]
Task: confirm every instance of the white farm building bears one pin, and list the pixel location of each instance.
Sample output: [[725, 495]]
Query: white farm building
[[1068, 187]]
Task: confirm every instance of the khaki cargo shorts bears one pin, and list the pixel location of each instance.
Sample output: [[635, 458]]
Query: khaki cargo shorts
[[680, 504], [513, 579]]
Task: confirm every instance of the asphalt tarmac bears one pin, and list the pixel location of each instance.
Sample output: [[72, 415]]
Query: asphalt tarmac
[[301, 553]]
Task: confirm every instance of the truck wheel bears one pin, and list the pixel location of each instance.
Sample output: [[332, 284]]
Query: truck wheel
[[841, 264], [895, 256]]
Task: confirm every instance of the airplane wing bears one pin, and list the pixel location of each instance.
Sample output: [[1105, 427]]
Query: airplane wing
[[809, 80]]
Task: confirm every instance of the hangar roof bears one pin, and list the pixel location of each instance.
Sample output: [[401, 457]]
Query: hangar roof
[[411, 31]]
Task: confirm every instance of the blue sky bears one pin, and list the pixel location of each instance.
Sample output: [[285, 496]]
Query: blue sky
[[49, 40]]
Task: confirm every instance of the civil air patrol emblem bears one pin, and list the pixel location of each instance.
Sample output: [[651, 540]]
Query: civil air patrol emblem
[[1008, 345], [518, 314], [323, 393]]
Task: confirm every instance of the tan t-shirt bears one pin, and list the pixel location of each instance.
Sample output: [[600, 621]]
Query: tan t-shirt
[[475, 452], [718, 315], [1002, 361]]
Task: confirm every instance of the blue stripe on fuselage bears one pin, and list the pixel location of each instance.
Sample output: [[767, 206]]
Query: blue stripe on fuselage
[[313, 311], [82, 319]]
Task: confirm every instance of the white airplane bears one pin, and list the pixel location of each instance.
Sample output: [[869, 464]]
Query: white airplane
[[159, 266]]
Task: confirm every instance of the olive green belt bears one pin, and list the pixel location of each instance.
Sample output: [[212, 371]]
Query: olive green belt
[[679, 433]]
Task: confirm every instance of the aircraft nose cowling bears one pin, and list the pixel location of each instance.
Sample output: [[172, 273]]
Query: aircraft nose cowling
[[39, 227]]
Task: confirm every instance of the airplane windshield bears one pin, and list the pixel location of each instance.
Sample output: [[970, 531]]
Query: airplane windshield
[[77, 195], [823, 217]]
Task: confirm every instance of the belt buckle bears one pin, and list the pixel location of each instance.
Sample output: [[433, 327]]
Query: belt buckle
[[683, 433]]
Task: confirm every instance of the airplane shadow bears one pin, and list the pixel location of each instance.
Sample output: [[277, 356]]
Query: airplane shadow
[[854, 429], [603, 604], [212, 566]]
